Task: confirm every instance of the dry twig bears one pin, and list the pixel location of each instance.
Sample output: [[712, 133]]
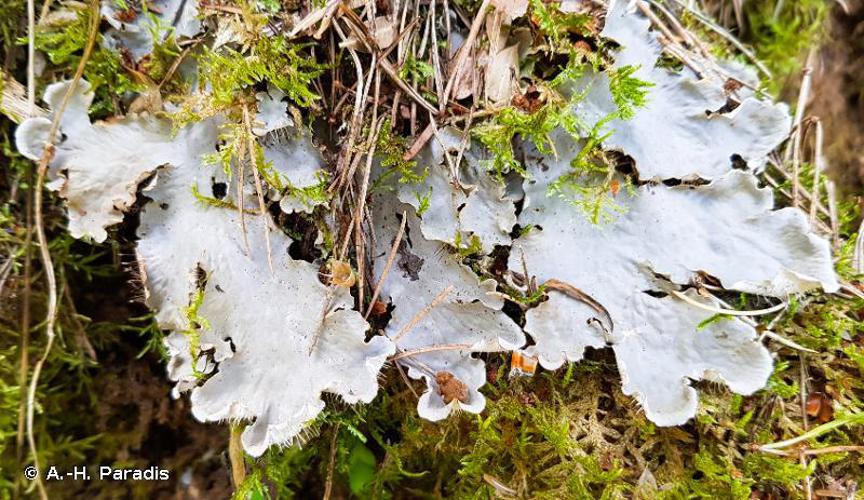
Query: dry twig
[[390, 259], [423, 312]]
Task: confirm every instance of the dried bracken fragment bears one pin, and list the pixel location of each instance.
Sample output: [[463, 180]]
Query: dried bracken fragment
[[502, 71], [511, 9], [688, 126], [460, 204], [208, 284], [469, 313], [664, 237]]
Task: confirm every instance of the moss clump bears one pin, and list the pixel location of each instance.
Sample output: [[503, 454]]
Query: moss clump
[[63, 43], [391, 149], [232, 75], [194, 324], [782, 33], [311, 195]]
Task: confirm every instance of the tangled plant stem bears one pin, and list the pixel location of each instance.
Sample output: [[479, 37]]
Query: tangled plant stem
[[47, 262]]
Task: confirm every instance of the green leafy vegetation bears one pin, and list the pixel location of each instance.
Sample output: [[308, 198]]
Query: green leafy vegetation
[[274, 60], [590, 186], [211, 200], [555, 25], [499, 133], [311, 195], [628, 92], [467, 246], [415, 70]]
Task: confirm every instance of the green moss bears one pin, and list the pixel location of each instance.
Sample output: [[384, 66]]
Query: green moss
[[231, 75], [165, 51], [234, 139], [782, 37], [391, 148], [589, 185], [499, 133], [312, 195], [628, 92], [415, 70], [275, 60], [63, 43], [716, 318], [423, 202], [194, 324], [781, 385], [154, 338], [473, 246], [529, 300], [556, 25], [210, 200], [11, 14]]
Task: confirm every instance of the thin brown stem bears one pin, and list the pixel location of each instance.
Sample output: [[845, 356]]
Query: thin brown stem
[[375, 129], [24, 363], [431, 348], [331, 464], [797, 131], [47, 262], [391, 257], [423, 312], [456, 71], [253, 161]]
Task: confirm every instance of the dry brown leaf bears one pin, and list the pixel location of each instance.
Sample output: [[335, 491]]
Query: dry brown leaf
[[819, 407], [383, 31], [467, 82], [501, 74], [511, 8]]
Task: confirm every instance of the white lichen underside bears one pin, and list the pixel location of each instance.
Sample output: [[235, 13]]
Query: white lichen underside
[[726, 229], [293, 156], [98, 182], [137, 35]]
